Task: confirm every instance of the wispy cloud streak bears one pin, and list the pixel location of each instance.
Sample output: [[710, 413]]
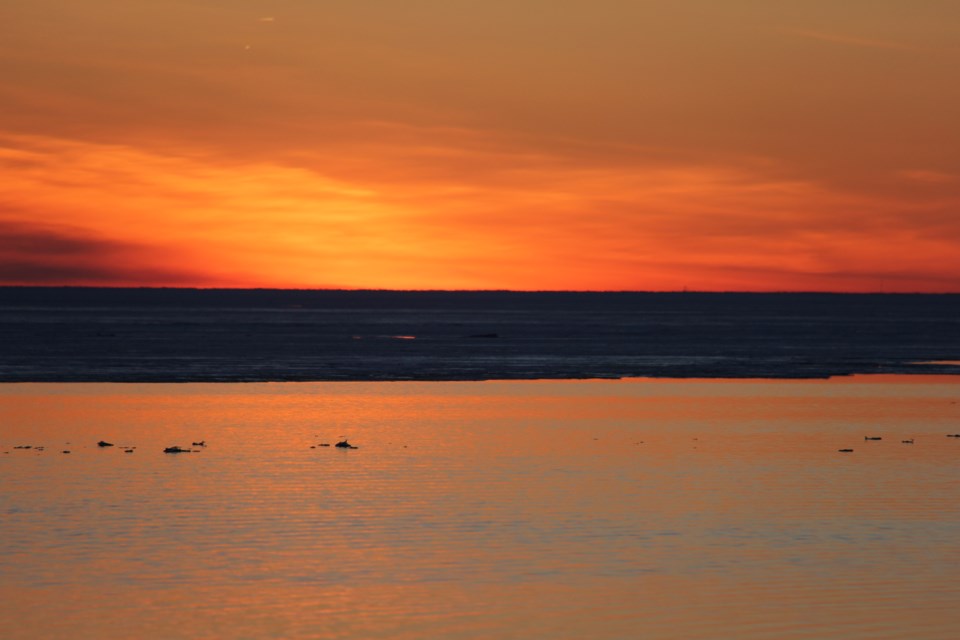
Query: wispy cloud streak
[[853, 41], [38, 254]]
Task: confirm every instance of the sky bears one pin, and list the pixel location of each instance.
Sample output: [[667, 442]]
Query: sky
[[748, 145]]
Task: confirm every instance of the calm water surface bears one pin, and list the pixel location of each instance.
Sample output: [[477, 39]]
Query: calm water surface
[[601, 509]]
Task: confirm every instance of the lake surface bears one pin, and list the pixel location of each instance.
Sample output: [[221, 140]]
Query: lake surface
[[656, 509], [192, 335]]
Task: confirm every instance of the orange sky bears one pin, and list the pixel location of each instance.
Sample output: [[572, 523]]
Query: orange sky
[[529, 144]]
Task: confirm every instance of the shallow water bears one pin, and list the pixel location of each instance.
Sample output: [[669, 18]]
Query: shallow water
[[560, 509]]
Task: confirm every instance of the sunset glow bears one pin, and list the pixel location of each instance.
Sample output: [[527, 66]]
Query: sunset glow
[[500, 145]]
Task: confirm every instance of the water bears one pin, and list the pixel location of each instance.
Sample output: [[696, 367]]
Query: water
[[550, 509], [186, 335]]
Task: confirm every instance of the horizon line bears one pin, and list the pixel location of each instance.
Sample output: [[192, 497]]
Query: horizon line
[[386, 290]]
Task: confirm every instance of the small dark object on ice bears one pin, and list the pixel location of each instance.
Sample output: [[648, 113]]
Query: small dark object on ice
[[872, 438], [65, 451], [202, 443], [104, 443], [953, 435], [910, 441], [177, 450], [845, 450], [324, 444], [343, 444], [24, 446], [128, 450]]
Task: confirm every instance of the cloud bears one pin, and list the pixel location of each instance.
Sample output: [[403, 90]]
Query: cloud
[[36, 254], [441, 208], [645, 78], [853, 41], [927, 176]]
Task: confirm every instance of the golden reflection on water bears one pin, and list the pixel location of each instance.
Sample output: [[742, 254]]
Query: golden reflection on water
[[577, 509]]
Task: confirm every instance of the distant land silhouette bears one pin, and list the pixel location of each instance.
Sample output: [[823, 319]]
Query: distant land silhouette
[[183, 335]]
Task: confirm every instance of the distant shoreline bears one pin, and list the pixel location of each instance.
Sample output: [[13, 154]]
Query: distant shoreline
[[97, 379]]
